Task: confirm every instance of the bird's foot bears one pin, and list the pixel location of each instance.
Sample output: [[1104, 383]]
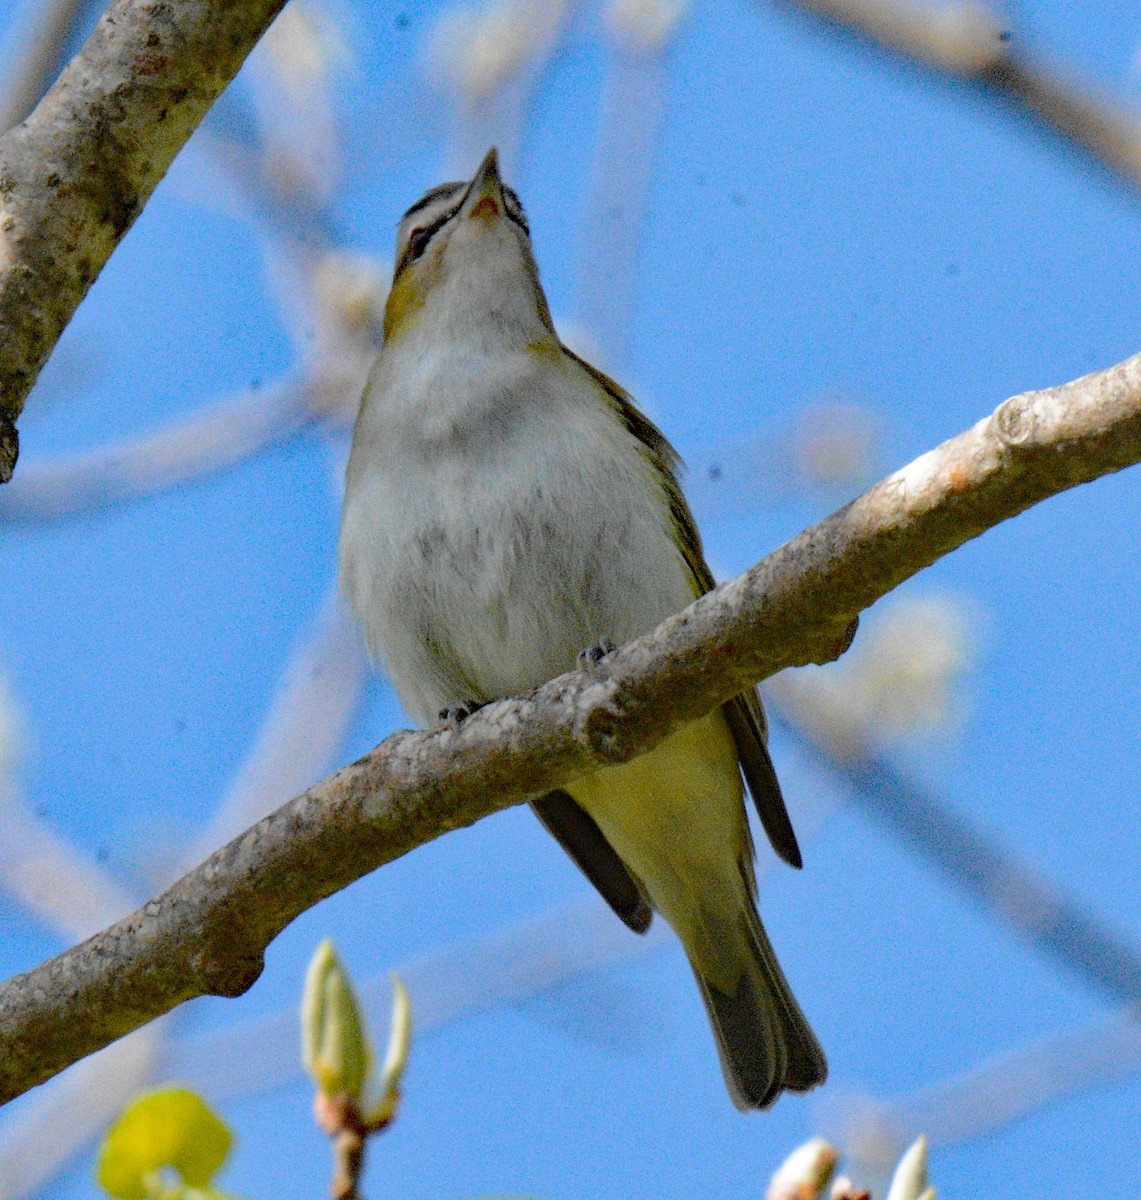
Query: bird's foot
[[589, 658], [457, 714]]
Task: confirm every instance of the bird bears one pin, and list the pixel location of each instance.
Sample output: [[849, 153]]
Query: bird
[[509, 514]]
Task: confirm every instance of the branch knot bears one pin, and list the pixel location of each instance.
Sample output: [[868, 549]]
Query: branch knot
[[228, 977], [602, 732], [1015, 420]]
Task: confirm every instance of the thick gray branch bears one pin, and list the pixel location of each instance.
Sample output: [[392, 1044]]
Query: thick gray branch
[[207, 933], [77, 172]]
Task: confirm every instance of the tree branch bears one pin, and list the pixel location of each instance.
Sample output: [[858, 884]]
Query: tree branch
[[77, 172], [207, 933], [971, 41]]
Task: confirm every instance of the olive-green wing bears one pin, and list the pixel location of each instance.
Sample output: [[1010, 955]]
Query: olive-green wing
[[744, 713]]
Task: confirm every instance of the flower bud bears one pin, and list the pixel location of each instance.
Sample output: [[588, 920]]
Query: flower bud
[[334, 1046], [399, 1042], [805, 1173], [910, 1179]]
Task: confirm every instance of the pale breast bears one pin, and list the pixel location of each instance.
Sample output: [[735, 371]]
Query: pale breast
[[483, 557]]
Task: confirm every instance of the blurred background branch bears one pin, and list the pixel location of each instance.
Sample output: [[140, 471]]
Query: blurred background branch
[[978, 44], [49, 29], [219, 436], [639, 36], [835, 720], [987, 1097]]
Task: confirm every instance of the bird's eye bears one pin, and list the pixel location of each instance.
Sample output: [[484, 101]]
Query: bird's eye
[[419, 238], [418, 242]]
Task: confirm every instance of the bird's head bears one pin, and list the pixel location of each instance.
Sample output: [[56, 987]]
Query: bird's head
[[464, 261]]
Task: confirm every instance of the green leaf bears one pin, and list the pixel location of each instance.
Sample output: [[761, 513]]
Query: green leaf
[[167, 1128]]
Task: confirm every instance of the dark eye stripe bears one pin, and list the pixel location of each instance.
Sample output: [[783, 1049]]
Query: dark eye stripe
[[515, 210], [419, 239]]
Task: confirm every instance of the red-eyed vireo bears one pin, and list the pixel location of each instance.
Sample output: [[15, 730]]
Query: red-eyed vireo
[[505, 505]]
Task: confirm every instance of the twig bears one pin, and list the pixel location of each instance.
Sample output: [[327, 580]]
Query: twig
[[1009, 890], [76, 174], [216, 437], [37, 62], [208, 932], [1023, 1080], [970, 41]]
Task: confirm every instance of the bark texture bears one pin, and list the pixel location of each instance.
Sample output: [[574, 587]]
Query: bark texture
[[77, 172]]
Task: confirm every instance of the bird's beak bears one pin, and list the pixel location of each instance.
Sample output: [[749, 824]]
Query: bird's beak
[[484, 199]]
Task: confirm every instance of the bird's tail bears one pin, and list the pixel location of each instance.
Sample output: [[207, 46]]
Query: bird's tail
[[765, 1043]]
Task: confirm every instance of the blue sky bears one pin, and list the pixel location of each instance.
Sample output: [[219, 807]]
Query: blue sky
[[823, 226]]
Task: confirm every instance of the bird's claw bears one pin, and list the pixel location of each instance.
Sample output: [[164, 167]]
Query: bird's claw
[[457, 714], [589, 658]]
